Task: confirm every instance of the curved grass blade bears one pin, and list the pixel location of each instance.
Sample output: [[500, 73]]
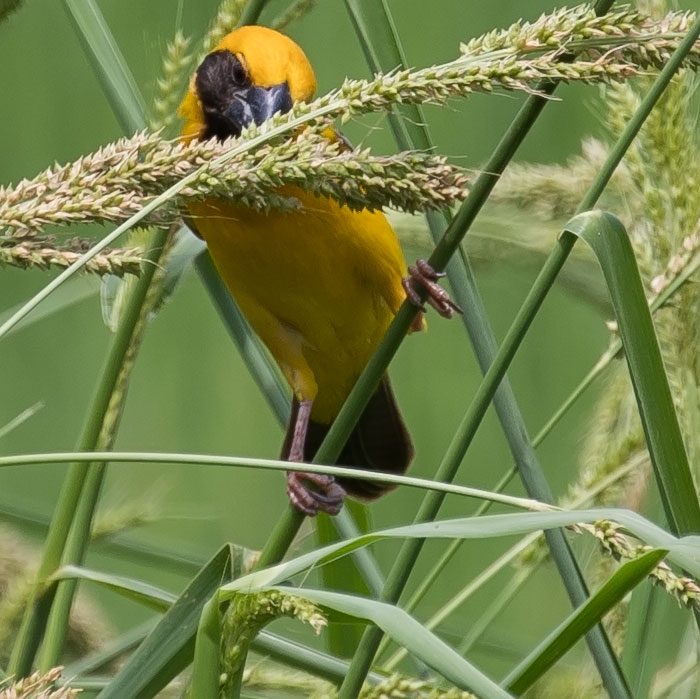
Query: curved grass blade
[[684, 552], [609, 240], [271, 464], [409, 633], [571, 630], [145, 593]]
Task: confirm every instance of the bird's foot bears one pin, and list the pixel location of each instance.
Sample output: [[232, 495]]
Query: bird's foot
[[423, 276], [328, 497]]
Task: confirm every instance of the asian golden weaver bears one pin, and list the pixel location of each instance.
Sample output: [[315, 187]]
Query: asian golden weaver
[[319, 285]]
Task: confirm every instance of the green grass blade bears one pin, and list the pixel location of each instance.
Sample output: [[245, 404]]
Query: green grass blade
[[207, 650], [643, 624], [133, 589], [271, 464], [609, 240], [109, 64], [409, 633], [168, 648], [573, 629], [684, 552], [341, 575]]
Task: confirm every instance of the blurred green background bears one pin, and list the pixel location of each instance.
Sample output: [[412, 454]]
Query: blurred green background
[[190, 391]]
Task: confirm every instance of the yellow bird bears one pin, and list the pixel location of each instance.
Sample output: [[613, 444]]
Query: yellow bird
[[320, 285]]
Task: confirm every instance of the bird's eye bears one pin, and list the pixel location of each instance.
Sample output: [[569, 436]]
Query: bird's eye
[[238, 72]]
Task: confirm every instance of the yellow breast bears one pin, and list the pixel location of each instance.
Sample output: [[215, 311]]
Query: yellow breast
[[319, 285]]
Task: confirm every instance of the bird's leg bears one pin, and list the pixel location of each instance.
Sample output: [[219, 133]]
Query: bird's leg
[[423, 276], [328, 496]]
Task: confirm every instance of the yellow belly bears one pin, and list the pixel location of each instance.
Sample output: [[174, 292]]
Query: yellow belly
[[319, 285]]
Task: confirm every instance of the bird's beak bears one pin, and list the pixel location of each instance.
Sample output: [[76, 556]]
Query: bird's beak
[[257, 104]]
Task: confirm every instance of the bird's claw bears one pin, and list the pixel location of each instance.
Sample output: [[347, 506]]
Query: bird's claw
[[423, 276], [328, 498]]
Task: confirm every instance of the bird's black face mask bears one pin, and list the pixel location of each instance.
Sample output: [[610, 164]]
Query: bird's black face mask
[[230, 100]]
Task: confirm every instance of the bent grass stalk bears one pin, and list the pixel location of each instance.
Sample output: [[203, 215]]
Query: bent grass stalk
[[88, 456]]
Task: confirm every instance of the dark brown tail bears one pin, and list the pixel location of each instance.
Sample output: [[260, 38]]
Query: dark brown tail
[[379, 442]]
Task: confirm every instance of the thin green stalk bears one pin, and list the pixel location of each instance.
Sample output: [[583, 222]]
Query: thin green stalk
[[56, 627], [271, 464], [41, 598], [252, 11]]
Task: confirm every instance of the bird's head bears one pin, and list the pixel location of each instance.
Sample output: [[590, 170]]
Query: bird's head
[[250, 75]]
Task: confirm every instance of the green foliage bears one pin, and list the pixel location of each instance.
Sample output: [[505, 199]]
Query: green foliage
[[216, 623]]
